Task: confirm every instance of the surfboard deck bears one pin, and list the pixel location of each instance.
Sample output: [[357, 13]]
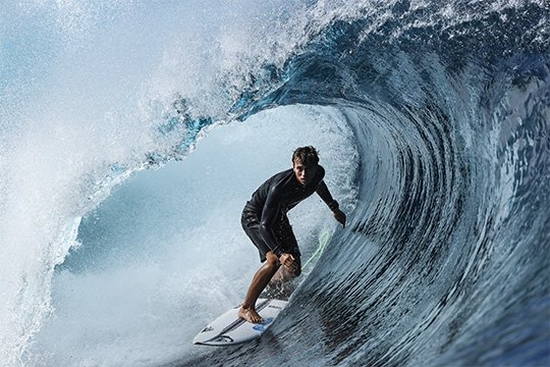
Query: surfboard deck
[[230, 329]]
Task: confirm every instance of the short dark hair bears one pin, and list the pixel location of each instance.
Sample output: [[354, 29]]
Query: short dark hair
[[307, 155]]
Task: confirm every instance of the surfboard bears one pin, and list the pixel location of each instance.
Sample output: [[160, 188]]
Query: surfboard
[[230, 329]]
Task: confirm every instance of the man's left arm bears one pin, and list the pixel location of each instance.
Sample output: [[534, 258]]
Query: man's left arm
[[324, 194]]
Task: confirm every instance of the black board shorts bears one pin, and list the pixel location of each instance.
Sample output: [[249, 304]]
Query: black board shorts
[[283, 233]]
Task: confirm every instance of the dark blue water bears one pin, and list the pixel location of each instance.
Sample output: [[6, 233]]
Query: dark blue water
[[446, 259]]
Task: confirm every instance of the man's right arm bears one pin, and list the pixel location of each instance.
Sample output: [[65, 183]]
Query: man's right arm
[[269, 215]]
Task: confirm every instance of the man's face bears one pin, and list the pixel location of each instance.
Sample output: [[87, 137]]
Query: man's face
[[304, 174]]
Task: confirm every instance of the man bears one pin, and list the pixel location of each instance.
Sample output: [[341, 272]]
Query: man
[[265, 221]]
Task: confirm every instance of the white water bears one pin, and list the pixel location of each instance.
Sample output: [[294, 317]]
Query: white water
[[83, 87], [165, 252]]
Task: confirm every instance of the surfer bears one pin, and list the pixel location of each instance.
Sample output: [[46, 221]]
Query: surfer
[[265, 221]]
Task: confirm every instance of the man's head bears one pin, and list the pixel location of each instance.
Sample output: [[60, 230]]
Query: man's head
[[305, 161]]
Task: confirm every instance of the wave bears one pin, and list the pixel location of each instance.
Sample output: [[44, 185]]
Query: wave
[[432, 121]]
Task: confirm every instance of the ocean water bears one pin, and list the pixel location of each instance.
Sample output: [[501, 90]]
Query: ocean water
[[132, 133]]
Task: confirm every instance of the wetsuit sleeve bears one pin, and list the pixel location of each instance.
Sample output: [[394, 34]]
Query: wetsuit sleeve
[[269, 216], [324, 194]]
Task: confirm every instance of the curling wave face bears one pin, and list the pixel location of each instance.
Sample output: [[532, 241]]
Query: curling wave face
[[446, 258]]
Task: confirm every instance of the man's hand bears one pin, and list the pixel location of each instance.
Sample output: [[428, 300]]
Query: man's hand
[[288, 261], [340, 217]]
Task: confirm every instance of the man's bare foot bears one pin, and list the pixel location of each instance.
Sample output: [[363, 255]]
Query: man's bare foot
[[250, 315]]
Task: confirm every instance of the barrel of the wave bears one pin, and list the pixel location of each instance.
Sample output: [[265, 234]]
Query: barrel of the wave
[[229, 329]]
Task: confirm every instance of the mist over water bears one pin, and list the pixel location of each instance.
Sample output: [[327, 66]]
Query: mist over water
[[165, 252], [132, 133], [84, 89]]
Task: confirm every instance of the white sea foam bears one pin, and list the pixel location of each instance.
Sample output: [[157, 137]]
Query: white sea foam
[[165, 253]]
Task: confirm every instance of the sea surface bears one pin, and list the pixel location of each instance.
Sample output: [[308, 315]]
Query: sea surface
[[133, 132]]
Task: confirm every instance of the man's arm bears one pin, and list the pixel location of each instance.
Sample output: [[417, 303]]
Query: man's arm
[[322, 191], [269, 215], [324, 194]]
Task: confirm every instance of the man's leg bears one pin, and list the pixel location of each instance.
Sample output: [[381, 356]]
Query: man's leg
[[284, 275], [286, 236], [259, 282]]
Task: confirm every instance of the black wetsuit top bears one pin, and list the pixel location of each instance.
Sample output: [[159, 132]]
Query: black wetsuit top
[[280, 193]]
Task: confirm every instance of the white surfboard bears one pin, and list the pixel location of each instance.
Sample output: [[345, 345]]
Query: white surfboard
[[230, 329]]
